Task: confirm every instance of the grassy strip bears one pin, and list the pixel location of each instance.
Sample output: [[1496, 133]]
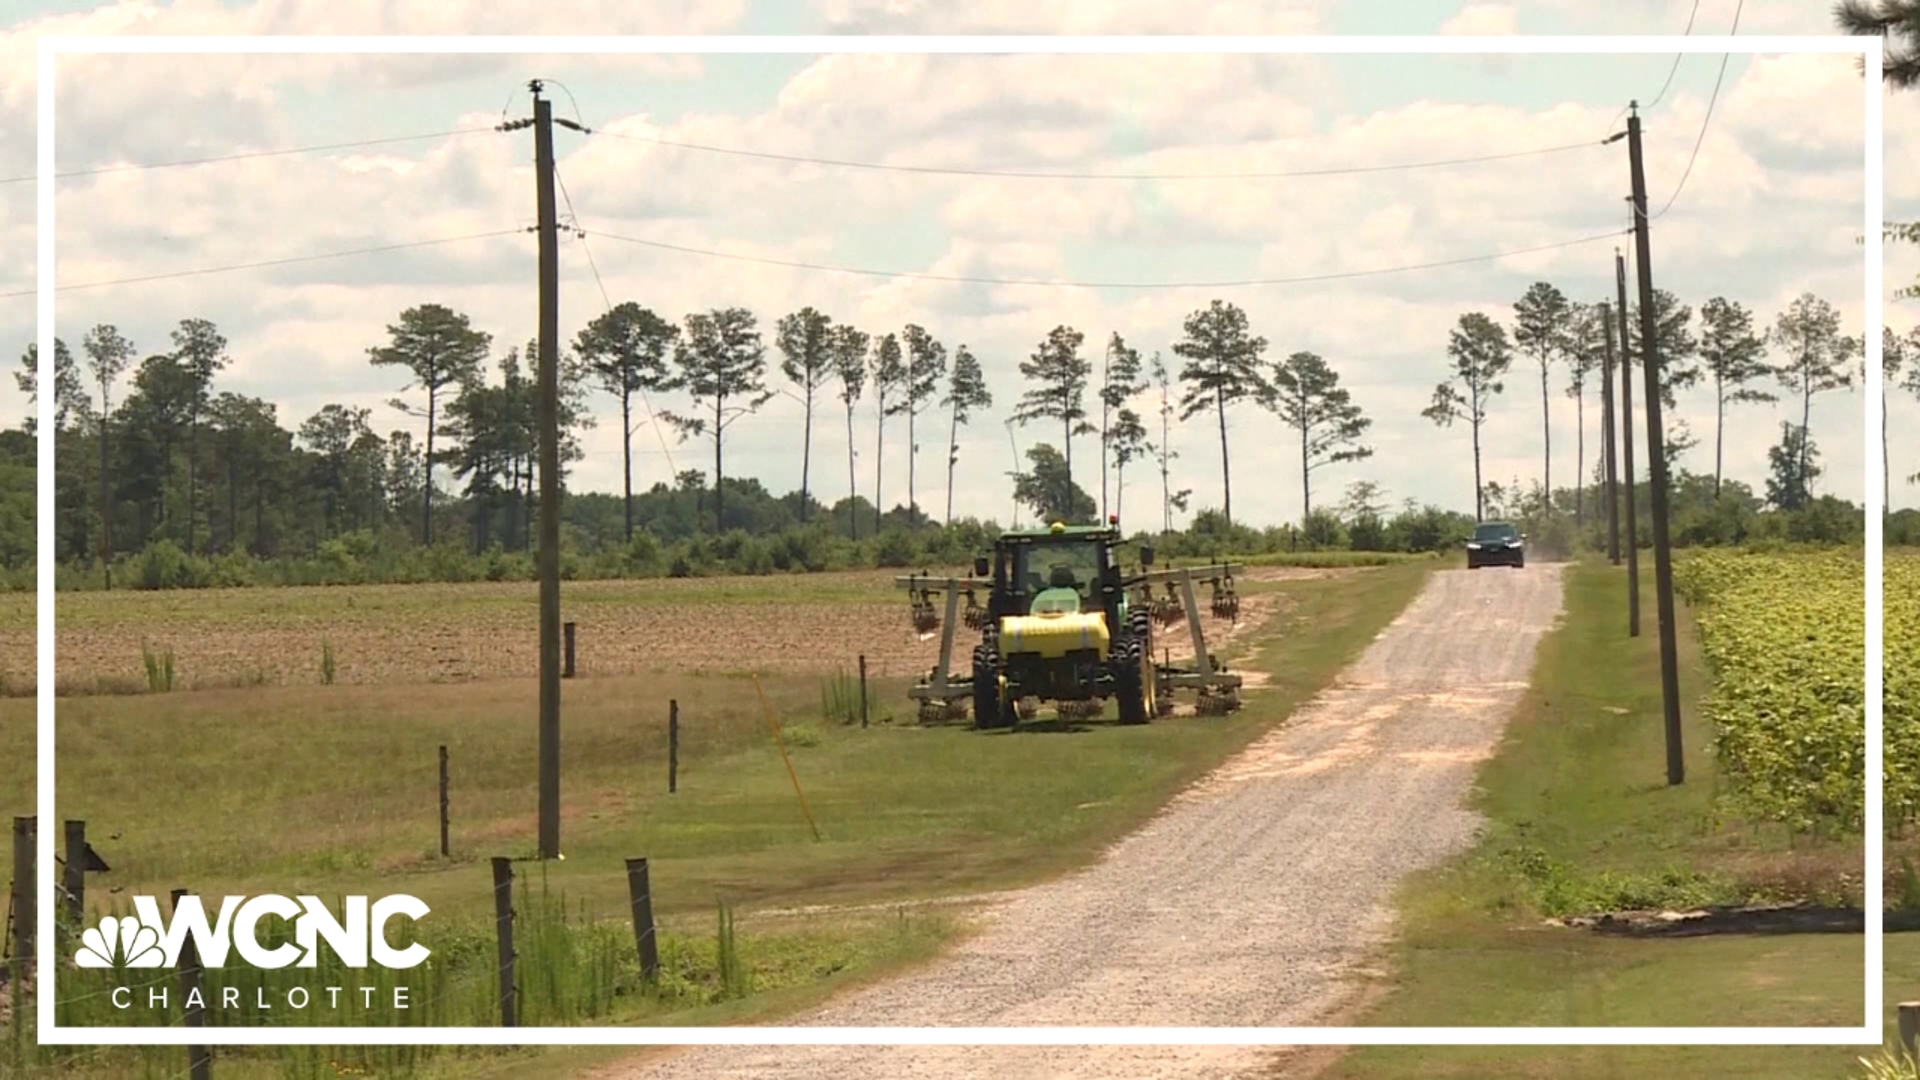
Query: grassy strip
[[1580, 819]]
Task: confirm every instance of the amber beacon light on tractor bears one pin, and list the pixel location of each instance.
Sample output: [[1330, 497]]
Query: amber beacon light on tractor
[[1064, 623]]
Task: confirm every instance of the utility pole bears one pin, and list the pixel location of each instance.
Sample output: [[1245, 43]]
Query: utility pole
[[1656, 460], [1626, 431], [1607, 439], [547, 423]]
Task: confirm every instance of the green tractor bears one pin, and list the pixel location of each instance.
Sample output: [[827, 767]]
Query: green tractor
[[1064, 623]]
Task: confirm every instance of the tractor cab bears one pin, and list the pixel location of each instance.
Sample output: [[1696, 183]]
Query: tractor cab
[[1063, 570]]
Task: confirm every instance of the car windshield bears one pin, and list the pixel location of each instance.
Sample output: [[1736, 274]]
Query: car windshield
[[1495, 532]]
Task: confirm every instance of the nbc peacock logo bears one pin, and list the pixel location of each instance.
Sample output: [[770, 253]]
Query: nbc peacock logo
[[148, 939], [120, 942]]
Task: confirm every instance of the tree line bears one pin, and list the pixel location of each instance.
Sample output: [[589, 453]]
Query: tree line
[[150, 451], [1729, 356]]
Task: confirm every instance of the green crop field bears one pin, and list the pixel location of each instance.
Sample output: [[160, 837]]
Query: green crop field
[[1785, 639]]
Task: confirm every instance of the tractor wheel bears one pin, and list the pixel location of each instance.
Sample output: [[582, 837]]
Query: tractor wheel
[[1130, 690], [986, 691]]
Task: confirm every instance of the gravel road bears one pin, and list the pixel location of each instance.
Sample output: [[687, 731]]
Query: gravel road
[[1247, 901]]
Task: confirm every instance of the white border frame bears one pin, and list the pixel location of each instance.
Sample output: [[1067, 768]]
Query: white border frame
[[1871, 1032]]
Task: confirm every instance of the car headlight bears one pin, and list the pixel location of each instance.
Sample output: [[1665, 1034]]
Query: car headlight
[[1473, 547], [1513, 543]]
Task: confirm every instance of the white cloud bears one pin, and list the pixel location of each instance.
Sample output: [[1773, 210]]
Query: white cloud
[[1477, 20]]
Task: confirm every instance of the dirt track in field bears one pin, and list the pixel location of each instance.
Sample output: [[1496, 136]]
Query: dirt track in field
[[458, 633], [1252, 900]]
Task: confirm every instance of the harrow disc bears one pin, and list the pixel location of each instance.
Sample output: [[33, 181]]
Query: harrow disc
[[975, 616], [1216, 702], [1226, 602], [925, 619]]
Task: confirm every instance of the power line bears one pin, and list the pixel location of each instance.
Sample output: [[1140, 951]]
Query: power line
[[1705, 120], [606, 298], [250, 154], [1024, 175], [971, 280], [1677, 57], [290, 260]]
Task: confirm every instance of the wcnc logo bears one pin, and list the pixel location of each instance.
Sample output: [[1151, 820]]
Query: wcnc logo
[[148, 940]]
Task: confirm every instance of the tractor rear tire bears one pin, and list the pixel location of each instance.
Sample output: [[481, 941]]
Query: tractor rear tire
[[1129, 684], [986, 692]]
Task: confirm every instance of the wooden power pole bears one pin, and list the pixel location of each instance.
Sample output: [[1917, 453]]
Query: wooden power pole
[[1626, 446], [1607, 440], [1656, 460], [547, 422]]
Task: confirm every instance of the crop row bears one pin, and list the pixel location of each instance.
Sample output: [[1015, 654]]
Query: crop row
[[1785, 641]]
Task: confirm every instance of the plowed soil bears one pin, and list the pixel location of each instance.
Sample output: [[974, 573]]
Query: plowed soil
[[454, 633]]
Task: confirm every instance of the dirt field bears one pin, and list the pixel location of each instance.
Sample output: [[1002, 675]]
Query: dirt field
[[457, 633]]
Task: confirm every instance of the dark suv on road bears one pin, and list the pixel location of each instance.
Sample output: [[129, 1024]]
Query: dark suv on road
[[1496, 543]]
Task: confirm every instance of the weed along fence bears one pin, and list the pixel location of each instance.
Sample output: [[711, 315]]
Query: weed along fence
[[549, 963]]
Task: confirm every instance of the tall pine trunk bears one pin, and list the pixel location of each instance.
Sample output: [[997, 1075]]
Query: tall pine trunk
[[1068, 442], [193, 494], [1546, 435], [106, 489], [953, 440], [426, 486], [1719, 435], [806, 453], [1306, 493], [853, 483], [1580, 457], [1226, 479], [1806, 440], [879, 453], [719, 497], [626, 457], [1479, 504]]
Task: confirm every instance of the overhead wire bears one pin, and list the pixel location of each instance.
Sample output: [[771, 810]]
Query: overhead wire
[[936, 170], [1706, 120], [606, 297], [967, 279], [1677, 57], [249, 154], [266, 263]]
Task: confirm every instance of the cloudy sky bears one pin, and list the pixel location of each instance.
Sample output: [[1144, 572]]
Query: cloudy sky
[[1770, 210]]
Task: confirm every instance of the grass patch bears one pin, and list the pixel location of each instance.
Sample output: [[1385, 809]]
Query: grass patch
[[1581, 820], [159, 668]]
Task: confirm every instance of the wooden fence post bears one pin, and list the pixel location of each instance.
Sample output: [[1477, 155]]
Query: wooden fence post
[[503, 928], [567, 669], [74, 875], [443, 801], [640, 894], [863, 690], [25, 892], [673, 745], [199, 1058], [1910, 1027]]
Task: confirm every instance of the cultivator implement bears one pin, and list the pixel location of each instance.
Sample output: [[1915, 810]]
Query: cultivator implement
[[1163, 598]]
